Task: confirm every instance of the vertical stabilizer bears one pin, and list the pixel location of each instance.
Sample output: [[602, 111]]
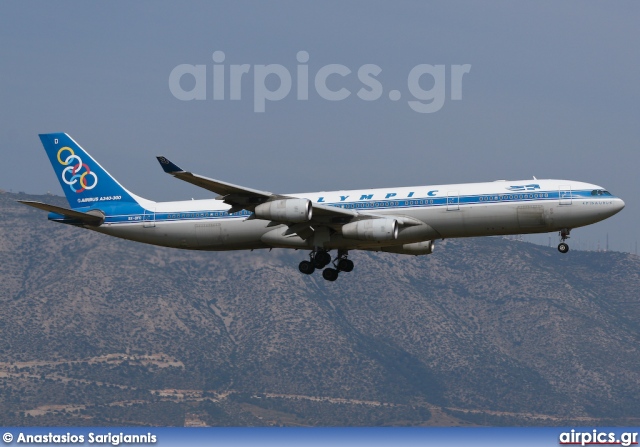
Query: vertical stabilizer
[[83, 180]]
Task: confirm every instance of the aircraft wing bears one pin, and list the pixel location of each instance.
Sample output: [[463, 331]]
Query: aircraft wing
[[83, 218], [240, 197], [332, 211]]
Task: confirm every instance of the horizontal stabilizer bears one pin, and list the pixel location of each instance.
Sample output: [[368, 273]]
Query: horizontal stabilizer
[[94, 220]]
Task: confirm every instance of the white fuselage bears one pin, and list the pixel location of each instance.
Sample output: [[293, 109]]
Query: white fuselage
[[445, 211]]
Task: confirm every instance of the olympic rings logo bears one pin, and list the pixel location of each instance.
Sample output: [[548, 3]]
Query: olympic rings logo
[[71, 174]]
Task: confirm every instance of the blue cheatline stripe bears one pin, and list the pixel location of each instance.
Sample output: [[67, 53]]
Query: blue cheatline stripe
[[139, 214]]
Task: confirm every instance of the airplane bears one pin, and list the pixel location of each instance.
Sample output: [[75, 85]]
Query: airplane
[[404, 220]]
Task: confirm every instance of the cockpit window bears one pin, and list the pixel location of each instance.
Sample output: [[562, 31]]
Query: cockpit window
[[600, 192]]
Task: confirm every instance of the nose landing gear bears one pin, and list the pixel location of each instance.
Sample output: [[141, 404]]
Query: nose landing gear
[[564, 235]]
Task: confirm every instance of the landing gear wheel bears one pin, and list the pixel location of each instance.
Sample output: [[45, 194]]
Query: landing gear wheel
[[330, 274], [321, 259], [306, 267], [345, 265], [564, 235]]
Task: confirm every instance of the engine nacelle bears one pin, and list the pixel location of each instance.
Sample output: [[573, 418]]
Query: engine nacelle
[[417, 248], [285, 210], [371, 230]]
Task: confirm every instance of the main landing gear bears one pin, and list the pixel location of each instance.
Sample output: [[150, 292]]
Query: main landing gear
[[564, 235], [319, 259]]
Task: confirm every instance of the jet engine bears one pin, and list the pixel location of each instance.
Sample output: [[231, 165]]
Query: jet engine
[[285, 210], [371, 230]]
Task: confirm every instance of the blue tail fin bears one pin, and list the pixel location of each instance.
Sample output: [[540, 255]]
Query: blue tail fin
[[83, 180]]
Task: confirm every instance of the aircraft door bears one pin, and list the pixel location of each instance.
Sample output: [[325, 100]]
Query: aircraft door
[[564, 194], [149, 218], [453, 200]]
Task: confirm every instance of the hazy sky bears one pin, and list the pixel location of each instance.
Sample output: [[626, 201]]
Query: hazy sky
[[553, 91]]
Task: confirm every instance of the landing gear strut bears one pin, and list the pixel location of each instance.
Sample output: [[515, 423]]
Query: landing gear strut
[[342, 263], [564, 235], [319, 259]]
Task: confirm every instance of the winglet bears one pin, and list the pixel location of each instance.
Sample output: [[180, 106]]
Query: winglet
[[168, 166]]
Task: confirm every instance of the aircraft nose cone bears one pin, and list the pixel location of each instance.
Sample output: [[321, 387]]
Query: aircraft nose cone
[[617, 206]]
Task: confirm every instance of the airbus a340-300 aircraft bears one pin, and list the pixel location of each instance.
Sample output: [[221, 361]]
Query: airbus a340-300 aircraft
[[395, 220]]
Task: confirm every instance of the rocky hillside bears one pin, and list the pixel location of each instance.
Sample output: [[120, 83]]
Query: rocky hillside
[[96, 330]]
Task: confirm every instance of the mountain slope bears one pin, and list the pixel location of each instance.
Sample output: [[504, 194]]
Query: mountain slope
[[486, 331]]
